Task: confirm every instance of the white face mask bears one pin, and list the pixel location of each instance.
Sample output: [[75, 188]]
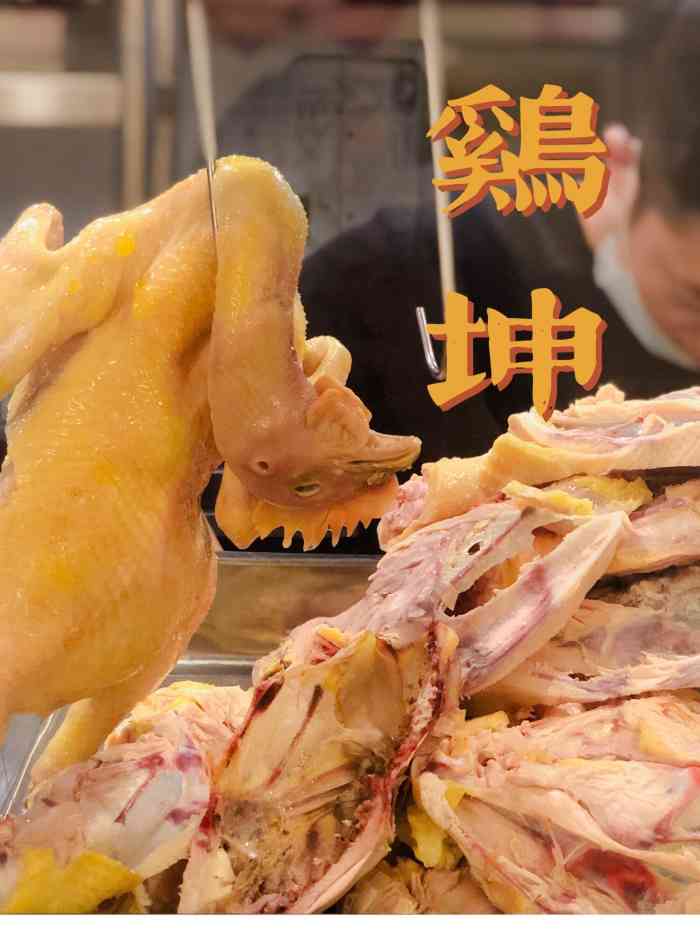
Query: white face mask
[[621, 288]]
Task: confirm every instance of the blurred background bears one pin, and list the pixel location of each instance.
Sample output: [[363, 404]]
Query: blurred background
[[96, 109]]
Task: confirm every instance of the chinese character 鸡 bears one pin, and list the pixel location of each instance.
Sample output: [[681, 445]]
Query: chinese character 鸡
[[558, 141]]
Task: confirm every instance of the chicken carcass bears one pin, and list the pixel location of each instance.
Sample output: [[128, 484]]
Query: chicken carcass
[[584, 811], [597, 435], [136, 369], [629, 641], [662, 534], [444, 489], [100, 828], [501, 623], [304, 805], [408, 888]]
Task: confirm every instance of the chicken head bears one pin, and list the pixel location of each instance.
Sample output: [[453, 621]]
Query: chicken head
[[307, 459]]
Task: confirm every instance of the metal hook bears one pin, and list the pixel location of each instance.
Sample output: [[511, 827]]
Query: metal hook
[[211, 166], [436, 371], [200, 61]]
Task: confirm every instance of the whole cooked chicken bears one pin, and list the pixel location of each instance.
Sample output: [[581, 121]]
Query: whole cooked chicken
[[136, 369]]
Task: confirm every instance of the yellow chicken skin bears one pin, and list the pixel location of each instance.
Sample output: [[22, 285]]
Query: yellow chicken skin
[[135, 372]]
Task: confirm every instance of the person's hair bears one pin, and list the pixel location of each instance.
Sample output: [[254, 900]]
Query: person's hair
[[669, 115]]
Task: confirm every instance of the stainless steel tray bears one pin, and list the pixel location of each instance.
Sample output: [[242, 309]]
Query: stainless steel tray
[[259, 598]]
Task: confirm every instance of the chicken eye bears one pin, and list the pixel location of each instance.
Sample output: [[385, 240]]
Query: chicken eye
[[307, 489]]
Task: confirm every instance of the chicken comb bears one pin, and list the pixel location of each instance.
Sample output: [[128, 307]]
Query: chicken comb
[[244, 518]]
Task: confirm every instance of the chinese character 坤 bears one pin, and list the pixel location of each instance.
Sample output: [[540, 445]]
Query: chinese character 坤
[[555, 345]]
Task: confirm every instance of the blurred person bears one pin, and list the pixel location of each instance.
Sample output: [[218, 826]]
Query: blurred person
[[646, 237]]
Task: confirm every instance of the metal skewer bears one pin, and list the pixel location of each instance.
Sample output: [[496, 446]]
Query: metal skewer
[[435, 77], [200, 62]]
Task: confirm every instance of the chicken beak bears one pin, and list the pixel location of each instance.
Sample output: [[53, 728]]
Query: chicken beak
[[384, 455]]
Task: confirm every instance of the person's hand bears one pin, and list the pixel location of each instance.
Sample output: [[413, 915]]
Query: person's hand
[[623, 162]]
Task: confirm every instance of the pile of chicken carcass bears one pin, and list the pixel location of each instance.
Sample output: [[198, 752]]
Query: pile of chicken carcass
[[506, 721]]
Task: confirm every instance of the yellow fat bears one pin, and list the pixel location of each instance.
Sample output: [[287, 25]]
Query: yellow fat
[[491, 722], [47, 888], [362, 657], [333, 635], [510, 458], [556, 500], [508, 898], [454, 794], [630, 494], [653, 745], [126, 244], [430, 844]]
